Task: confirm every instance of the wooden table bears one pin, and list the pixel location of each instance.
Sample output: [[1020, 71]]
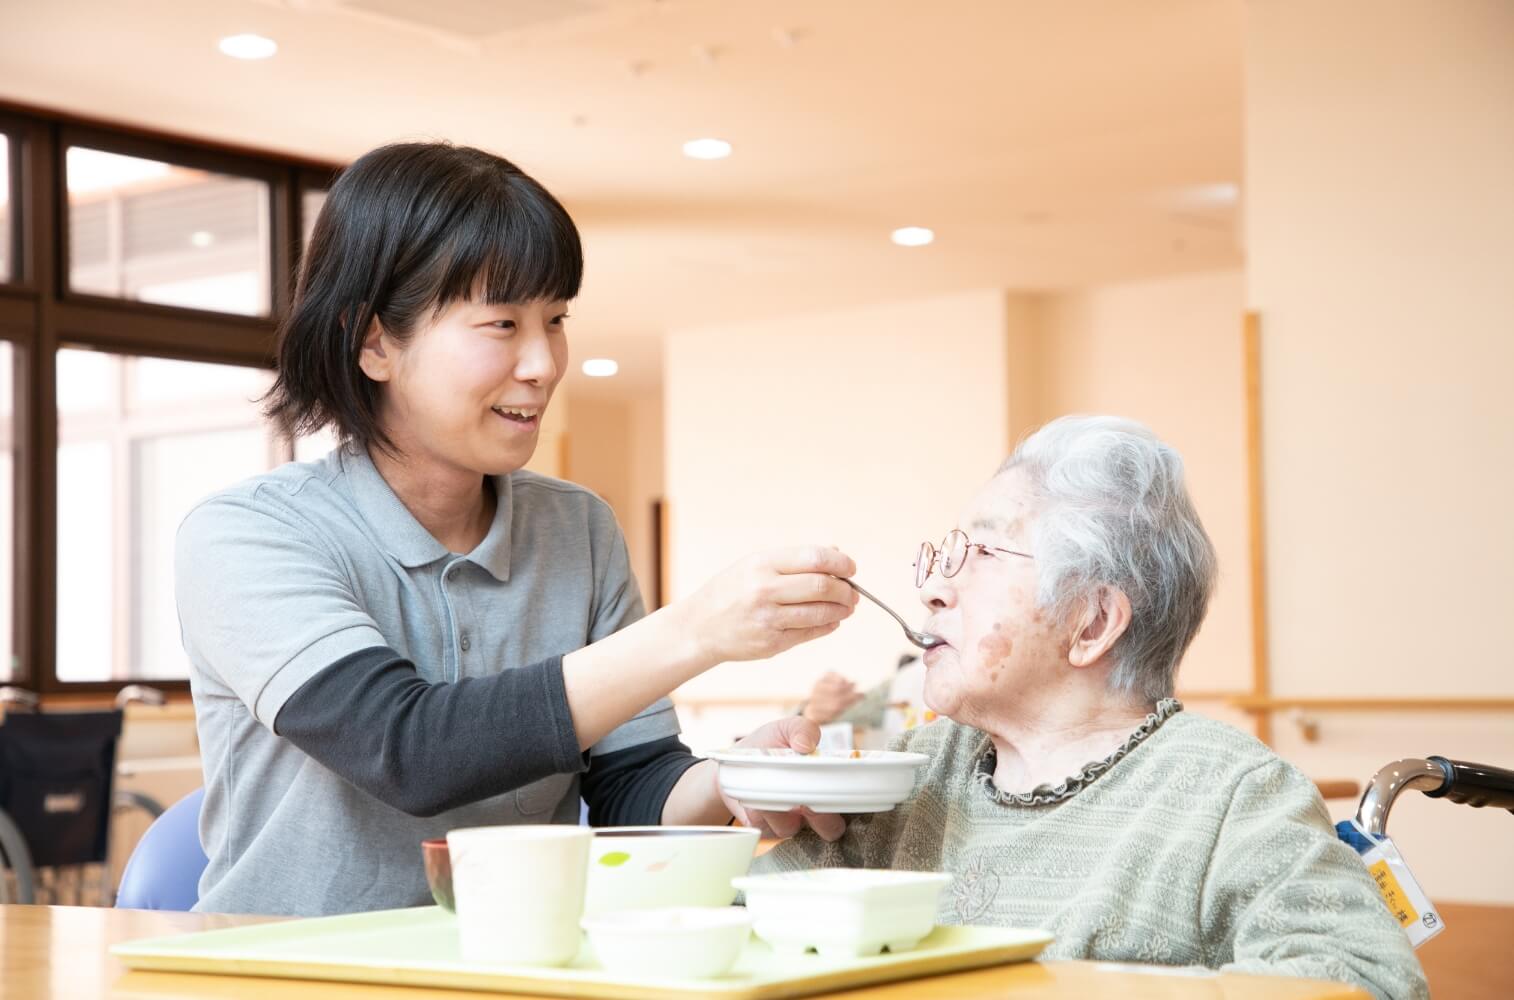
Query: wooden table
[[60, 952]]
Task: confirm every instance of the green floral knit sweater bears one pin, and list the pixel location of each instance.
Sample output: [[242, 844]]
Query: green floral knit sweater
[[1192, 844]]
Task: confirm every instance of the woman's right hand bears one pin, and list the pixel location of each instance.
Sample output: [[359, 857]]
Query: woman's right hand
[[768, 602]]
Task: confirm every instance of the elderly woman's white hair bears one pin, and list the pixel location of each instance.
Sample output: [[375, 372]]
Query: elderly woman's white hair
[[1114, 512]]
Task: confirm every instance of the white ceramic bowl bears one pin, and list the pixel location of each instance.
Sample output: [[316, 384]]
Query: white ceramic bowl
[[643, 867], [843, 912], [677, 943], [833, 781]]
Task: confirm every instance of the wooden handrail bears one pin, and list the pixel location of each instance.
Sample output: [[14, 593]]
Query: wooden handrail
[[1257, 705], [1337, 788], [1226, 696], [784, 701], [750, 701], [1252, 704], [179, 706]]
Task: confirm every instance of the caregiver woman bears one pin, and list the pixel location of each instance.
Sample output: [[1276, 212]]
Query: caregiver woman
[[413, 634]]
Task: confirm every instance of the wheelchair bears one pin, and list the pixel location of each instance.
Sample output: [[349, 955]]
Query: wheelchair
[[58, 798]]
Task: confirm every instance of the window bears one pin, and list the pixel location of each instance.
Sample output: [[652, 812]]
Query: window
[[314, 446], [317, 445], [7, 507], [152, 231], [155, 248], [140, 441], [5, 207], [310, 207]]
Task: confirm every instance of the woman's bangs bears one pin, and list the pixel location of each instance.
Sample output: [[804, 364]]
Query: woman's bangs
[[522, 252]]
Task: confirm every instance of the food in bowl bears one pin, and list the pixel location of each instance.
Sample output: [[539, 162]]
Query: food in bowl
[[833, 781], [647, 867], [438, 862], [843, 912], [686, 942]]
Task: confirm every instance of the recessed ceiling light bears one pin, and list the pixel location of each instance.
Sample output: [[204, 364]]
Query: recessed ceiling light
[[912, 236], [600, 367], [707, 149], [248, 46], [201, 238]]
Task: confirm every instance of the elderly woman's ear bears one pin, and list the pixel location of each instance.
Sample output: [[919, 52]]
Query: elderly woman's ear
[[1105, 618]]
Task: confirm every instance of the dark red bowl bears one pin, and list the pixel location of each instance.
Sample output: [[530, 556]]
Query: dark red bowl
[[438, 871]]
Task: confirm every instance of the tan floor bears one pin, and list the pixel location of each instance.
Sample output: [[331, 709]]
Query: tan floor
[[1474, 958]]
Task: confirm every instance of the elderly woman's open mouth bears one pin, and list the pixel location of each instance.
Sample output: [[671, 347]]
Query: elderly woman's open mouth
[[934, 653], [931, 628]]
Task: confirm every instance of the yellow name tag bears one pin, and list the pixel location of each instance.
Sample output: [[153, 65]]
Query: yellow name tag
[[1400, 890], [1393, 894]]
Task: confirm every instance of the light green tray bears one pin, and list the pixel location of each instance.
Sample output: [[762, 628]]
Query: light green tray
[[418, 947]]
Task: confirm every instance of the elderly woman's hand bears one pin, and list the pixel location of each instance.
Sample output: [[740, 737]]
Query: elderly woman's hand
[[801, 735], [767, 603]]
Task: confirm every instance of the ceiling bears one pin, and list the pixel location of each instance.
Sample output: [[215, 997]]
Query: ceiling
[[1049, 145]]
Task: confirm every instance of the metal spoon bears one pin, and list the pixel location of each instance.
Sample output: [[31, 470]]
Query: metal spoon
[[922, 639]]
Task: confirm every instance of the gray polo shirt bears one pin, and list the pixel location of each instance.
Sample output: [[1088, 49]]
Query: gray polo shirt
[[282, 575]]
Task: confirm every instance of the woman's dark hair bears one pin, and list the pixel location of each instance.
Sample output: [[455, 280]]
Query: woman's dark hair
[[410, 228]]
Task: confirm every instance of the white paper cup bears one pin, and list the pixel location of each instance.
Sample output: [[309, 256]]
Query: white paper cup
[[519, 892]]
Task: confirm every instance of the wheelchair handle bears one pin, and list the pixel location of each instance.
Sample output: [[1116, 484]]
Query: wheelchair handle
[[1462, 782], [1475, 785]]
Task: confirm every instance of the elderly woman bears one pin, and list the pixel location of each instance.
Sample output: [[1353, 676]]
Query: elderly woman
[[1067, 789]]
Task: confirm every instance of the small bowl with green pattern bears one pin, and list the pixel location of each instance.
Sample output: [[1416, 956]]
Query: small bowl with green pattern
[[652, 867]]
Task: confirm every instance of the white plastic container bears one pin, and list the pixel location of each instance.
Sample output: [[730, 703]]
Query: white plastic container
[[832, 781], [689, 942], [843, 912]]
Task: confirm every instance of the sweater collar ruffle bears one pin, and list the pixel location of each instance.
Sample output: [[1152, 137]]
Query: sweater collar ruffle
[[1047, 794]]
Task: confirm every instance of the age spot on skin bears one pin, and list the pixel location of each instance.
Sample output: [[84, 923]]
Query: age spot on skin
[[995, 649]]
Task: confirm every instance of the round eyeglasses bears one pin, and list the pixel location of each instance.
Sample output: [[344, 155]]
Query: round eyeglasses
[[952, 554]]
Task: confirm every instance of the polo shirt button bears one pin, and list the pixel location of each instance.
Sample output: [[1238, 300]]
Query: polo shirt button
[[465, 644]]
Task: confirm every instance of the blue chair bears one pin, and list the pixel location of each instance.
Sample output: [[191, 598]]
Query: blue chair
[[163, 872]]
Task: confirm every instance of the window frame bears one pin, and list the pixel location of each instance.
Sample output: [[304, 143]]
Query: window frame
[[40, 314]]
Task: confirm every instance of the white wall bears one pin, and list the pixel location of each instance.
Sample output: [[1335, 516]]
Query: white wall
[[867, 429], [615, 449], [1380, 234], [1168, 353]]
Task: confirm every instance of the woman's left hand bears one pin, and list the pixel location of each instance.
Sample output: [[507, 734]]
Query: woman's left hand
[[800, 735]]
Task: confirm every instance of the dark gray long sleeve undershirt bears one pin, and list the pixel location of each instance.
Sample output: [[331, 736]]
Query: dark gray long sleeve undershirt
[[426, 748]]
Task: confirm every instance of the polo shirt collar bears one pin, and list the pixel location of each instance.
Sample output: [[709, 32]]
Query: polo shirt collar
[[493, 553], [405, 538], [393, 526]]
